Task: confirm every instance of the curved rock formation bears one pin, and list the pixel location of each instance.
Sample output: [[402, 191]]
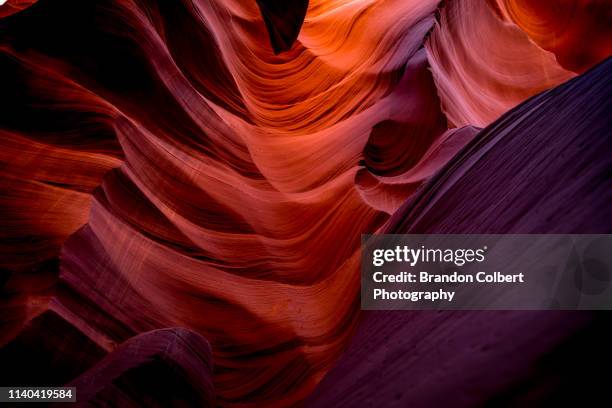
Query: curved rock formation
[[161, 368], [211, 164], [544, 167], [483, 66], [579, 33]]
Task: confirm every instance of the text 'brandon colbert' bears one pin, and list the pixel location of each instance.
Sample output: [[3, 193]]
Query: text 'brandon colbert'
[[455, 277]]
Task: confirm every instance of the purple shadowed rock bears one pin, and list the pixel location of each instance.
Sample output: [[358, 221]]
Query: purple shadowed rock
[[544, 167], [160, 368]]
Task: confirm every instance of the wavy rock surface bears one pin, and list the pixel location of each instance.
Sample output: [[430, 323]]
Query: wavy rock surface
[[211, 165], [161, 368], [578, 32], [542, 168], [483, 65]]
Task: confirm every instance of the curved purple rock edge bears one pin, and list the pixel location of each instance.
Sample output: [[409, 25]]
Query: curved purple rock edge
[[544, 167]]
